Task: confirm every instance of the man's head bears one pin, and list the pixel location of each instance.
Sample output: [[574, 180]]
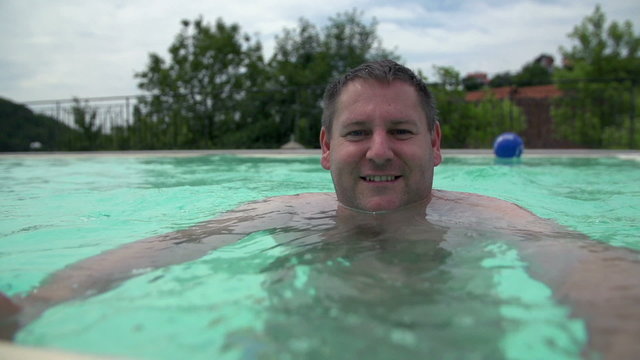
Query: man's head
[[380, 137]]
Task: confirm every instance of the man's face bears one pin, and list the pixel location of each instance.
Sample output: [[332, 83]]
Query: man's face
[[380, 151]]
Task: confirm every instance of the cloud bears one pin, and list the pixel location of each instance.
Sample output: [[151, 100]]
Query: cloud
[[480, 35], [64, 48], [93, 48], [399, 12]]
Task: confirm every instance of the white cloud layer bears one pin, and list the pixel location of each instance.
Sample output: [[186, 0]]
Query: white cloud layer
[[64, 48]]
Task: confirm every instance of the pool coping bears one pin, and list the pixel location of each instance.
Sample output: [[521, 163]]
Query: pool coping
[[635, 154], [20, 352]]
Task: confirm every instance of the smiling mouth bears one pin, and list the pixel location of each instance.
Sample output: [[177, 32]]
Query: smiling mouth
[[380, 178]]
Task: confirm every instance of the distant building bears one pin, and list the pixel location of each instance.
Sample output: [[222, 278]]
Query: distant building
[[480, 76], [513, 92], [475, 81]]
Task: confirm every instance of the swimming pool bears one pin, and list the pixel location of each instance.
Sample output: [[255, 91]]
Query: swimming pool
[[261, 299]]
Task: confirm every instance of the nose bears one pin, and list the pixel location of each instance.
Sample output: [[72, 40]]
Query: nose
[[379, 150]]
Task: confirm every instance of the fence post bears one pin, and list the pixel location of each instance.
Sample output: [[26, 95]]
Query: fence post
[[296, 119], [127, 118], [632, 115], [510, 102]]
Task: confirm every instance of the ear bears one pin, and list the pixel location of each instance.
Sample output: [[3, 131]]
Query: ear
[[325, 144], [435, 144]]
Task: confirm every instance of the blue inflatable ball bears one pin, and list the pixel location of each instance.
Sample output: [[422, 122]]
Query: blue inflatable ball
[[508, 145]]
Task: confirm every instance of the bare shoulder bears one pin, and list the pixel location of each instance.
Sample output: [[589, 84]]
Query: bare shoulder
[[328, 198], [289, 204], [480, 208], [275, 211], [477, 201]]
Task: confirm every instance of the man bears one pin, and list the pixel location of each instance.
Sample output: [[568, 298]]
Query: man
[[380, 139]]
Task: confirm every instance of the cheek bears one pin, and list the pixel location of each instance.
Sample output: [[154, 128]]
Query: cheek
[[420, 154], [345, 156]]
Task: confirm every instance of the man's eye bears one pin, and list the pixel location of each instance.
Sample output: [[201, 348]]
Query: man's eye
[[355, 134], [401, 132]]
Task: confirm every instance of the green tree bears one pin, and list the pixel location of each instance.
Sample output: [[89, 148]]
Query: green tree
[[307, 57], [448, 78], [298, 66], [85, 119], [598, 109], [452, 108], [490, 118], [471, 83], [533, 74], [146, 134], [471, 124], [476, 124], [215, 90], [204, 92], [455, 116], [502, 79]]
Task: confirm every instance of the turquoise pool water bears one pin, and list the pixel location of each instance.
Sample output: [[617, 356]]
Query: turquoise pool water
[[260, 299]]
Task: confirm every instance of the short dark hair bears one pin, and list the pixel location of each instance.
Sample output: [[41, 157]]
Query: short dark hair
[[383, 71]]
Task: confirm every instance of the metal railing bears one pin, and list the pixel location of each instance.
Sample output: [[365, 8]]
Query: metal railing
[[118, 111], [111, 111]]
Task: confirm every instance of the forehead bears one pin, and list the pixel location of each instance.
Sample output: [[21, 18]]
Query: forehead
[[363, 98]]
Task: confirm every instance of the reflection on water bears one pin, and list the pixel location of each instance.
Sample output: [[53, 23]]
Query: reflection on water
[[362, 294]]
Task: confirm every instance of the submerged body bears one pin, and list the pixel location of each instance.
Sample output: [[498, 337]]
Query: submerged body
[[398, 247]]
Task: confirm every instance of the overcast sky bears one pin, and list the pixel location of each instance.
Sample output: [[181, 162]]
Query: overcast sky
[[85, 48]]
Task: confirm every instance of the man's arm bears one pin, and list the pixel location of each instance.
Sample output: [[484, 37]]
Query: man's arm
[[104, 271], [600, 282]]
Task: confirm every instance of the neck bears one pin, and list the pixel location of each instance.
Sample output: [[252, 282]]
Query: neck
[[388, 219]]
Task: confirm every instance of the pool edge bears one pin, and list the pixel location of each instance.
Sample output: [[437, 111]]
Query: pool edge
[[10, 350], [627, 154]]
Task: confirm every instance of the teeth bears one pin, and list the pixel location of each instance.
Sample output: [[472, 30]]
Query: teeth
[[380, 178]]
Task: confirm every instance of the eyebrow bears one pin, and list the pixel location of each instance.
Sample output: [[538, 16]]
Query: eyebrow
[[356, 123], [393, 122], [402, 122]]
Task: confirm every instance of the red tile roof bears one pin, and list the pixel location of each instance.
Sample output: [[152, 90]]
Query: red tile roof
[[529, 92]]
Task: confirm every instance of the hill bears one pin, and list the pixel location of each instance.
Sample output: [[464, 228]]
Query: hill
[[22, 130]]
